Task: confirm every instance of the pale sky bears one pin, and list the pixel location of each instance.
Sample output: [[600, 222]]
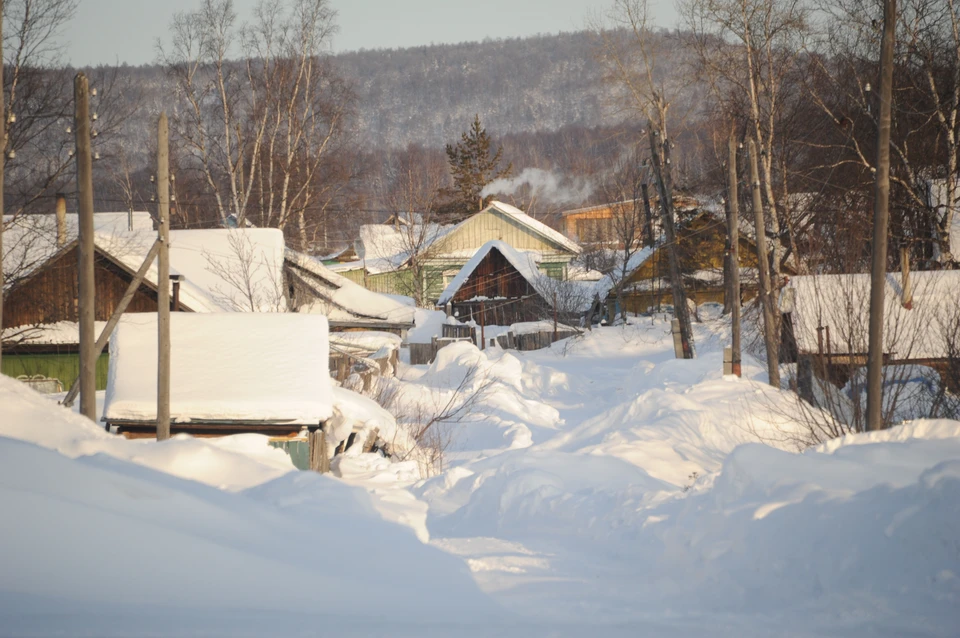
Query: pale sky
[[112, 31]]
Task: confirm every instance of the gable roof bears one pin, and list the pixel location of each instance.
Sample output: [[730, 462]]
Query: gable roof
[[224, 269], [30, 241], [523, 262], [534, 225], [344, 301]]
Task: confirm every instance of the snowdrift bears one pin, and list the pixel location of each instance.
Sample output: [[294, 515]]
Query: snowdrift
[[116, 547]]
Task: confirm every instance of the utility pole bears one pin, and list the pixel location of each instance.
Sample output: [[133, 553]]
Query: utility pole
[[770, 336], [733, 254], [163, 282], [86, 283], [878, 260], [665, 187]]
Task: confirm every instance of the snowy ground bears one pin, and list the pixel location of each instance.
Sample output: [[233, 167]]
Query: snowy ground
[[598, 487]]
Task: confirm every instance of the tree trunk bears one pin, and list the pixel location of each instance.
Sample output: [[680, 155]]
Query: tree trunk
[[771, 335]]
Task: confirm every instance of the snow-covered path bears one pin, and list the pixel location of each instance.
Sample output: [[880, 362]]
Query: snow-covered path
[[595, 513]]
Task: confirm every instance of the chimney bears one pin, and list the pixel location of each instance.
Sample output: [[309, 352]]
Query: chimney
[[906, 293], [61, 219]]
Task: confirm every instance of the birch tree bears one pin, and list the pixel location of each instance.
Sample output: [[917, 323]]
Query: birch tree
[[259, 131]]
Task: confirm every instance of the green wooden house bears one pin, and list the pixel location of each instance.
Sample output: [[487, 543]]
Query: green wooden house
[[384, 263]]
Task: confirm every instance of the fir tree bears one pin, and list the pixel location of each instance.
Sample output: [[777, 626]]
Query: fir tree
[[473, 166]]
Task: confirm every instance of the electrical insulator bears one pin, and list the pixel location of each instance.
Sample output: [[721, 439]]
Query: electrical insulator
[[12, 118], [12, 154], [95, 117]]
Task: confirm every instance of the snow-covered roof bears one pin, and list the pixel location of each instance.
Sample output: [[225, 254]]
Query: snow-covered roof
[[841, 303], [30, 240], [537, 226], [386, 247], [224, 366], [223, 269], [342, 300], [523, 262]]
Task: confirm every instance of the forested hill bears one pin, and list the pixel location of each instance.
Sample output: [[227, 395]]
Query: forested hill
[[429, 94]]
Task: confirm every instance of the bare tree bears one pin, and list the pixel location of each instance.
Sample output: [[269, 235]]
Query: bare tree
[[631, 59], [260, 131], [409, 189], [251, 278]]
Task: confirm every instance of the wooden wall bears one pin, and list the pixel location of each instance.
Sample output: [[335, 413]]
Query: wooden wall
[[494, 277], [51, 295], [489, 225]]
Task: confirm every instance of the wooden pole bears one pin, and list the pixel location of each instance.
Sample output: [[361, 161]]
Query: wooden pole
[[115, 317], [665, 187], [483, 323], [733, 236], [770, 336], [317, 449], [86, 283], [163, 282], [878, 261]]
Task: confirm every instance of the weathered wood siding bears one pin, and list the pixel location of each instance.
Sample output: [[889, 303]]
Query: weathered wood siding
[[494, 277], [51, 295], [489, 225]]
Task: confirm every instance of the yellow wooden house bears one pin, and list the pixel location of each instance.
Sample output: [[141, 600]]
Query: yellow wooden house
[[702, 247]]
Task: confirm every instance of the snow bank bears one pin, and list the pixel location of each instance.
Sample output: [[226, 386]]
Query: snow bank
[[241, 366], [233, 463], [76, 525]]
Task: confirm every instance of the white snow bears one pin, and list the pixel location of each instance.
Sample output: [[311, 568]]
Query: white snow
[[224, 366], [841, 302], [97, 545], [598, 487], [29, 240]]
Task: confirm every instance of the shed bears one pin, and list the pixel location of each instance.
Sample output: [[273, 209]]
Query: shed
[[230, 373], [314, 288], [497, 286], [828, 321]]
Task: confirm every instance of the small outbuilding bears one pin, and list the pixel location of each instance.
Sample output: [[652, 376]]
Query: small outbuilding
[[497, 286], [827, 324], [230, 373]]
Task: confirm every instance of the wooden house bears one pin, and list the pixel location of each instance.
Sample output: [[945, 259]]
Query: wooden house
[[498, 286], [596, 225], [40, 331], [446, 249], [702, 249]]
